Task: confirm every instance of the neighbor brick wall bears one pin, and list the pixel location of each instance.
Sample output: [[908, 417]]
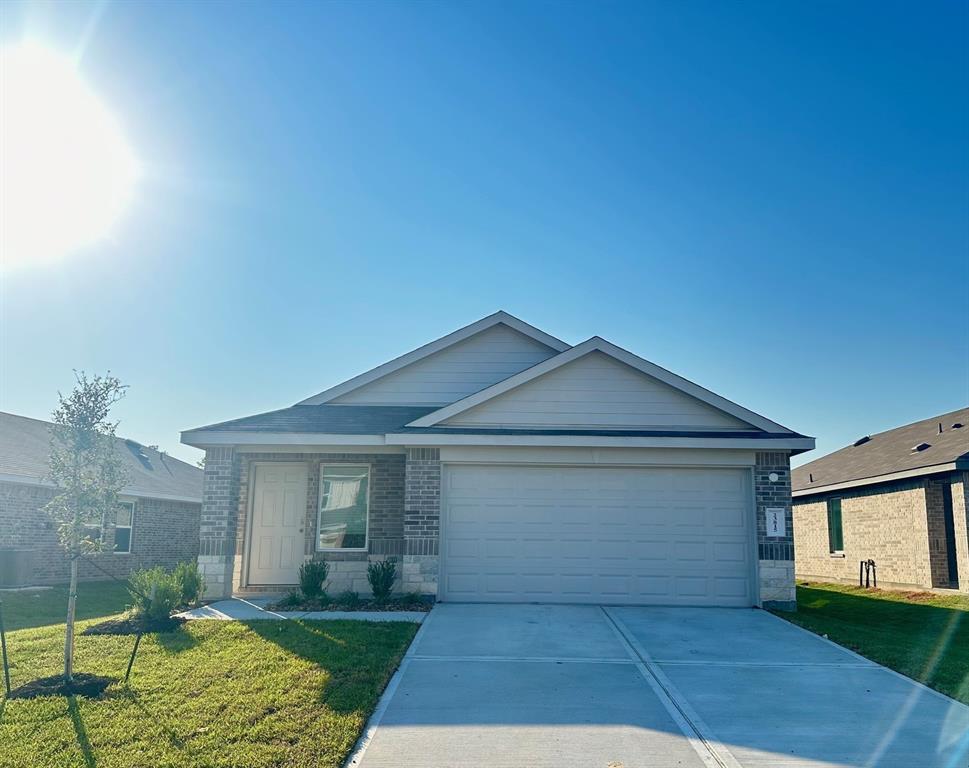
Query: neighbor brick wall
[[164, 533], [960, 515], [887, 523], [935, 530]]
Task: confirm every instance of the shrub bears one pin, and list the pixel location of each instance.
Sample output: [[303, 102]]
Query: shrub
[[291, 599], [382, 575], [348, 599], [155, 592], [190, 584], [312, 576]]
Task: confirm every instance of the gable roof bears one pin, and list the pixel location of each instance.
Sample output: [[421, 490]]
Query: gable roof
[[890, 456], [421, 353], [25, 447], [597, 344]]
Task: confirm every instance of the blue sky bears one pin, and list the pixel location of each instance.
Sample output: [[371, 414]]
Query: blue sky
[[769, 199]]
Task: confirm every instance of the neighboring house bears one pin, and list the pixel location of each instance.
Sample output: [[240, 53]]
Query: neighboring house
[[501, 464], [898, 498], [157, 522]]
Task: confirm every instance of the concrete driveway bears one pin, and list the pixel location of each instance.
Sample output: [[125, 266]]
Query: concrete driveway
[[529, 686]]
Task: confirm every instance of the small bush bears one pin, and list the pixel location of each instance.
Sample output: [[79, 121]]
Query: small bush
[[155, 592], [190, 583], [290, 600], [312, 576], [382, 575], [348, 599]]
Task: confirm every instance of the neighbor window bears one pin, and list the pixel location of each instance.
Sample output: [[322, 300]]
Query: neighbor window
[[344, 506], [122, 526], [836, 541]]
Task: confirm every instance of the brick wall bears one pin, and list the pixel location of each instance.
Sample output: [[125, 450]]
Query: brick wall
[[960, 516], [422, 520], [935, 529], [886, 523], [164, 533], [776, 553]]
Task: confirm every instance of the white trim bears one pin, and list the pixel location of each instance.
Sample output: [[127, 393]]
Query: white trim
[[605, 441], [436, 346], [597, 344], [934, 469], [35, 481], [319, 507]]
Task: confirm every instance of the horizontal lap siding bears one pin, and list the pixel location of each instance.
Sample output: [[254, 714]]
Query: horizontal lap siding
[[456, 372], [596, 391]]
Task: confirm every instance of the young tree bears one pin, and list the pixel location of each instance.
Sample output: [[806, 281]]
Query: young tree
[[89, 475]]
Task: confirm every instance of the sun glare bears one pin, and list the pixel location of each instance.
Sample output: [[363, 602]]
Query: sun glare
[[66, 170]]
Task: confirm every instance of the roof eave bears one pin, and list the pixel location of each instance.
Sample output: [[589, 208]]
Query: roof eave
[[907, 474]]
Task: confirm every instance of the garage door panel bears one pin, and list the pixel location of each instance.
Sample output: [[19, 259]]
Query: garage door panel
[[597, 534]]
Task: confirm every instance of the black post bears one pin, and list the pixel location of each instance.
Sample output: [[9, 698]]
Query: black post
[[131, 661], [861, 570], [874, 573], [3, 646]]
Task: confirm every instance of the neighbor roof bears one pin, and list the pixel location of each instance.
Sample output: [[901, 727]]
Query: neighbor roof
[[890, 455], [25, 446]]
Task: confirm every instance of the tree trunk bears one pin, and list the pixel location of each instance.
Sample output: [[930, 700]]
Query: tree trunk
[[69, 633]]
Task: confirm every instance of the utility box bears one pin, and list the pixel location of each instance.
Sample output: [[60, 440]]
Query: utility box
[[15, 567]]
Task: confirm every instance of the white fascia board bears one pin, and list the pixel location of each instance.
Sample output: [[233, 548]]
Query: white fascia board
[[597, 344], [904, 475], [210, 439], [41, 483], [606, 441], [436, 346]]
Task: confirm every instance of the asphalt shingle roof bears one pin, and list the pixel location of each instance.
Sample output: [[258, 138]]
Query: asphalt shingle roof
[[392, 419], [25, 446], [889, 452]]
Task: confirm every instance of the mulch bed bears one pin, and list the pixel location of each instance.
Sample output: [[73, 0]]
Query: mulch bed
[[363, 605], [90, 686], [133, 626]]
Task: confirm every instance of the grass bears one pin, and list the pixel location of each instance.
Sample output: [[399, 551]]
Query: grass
[[922, 635], [43, 607], [245, 695]]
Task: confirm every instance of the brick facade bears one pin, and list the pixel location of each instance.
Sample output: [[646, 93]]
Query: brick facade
[[422, 520], [164, 533], [899, 525], [776, 553]]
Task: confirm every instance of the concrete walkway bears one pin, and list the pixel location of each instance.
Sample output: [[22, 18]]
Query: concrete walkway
[[238, 609], [543, 686]]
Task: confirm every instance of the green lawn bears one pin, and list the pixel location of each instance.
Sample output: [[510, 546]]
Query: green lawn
[[42, 607], [924, 636], [266, 693]]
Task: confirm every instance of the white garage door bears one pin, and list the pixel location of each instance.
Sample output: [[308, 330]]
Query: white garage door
[[597, 535]]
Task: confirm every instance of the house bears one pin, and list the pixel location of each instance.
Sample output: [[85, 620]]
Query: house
[[898, 498], [500, 464], [157, 522]]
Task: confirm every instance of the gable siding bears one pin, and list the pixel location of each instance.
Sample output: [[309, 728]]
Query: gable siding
[[455, 372], [596, 391]]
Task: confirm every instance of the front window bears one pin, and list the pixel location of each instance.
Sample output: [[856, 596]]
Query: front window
[[836, 542], [122, 527], [344, 506]]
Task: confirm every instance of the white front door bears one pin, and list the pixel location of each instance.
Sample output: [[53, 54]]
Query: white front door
[[278, 523], [662, 536]]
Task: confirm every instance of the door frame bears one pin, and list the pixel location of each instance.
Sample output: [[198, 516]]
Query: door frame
[[250, 499], [753, 572]]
